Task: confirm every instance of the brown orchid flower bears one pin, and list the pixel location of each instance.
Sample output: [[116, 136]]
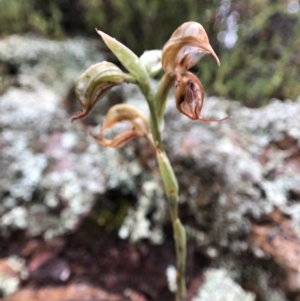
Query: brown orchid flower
[[189, 96], [120, 113], [187, 45]]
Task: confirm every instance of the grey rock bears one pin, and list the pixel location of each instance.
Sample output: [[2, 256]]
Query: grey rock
[[218, 286], [236, 170], [52, 172]]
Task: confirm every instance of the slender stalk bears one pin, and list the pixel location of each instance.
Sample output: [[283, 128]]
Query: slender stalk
[[167, 174], [128, 78], [145, 88], [180, 239], [161, 95], [171, 188]]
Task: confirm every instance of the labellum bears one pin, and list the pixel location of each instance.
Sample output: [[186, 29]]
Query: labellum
[[189, 96]]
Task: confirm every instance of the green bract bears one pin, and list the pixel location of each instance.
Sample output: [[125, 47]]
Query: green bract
[[168, 176], [129, 60]]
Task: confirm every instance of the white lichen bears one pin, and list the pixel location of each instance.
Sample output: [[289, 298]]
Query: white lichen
[[218, 286]]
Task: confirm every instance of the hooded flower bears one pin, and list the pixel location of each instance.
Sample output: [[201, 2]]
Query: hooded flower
[[120, 113], [95, 82], [184, 49]]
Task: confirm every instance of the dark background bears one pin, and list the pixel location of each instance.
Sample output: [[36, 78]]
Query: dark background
[[257, 40]]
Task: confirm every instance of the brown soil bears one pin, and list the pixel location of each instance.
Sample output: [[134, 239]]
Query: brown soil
[[93, 264]]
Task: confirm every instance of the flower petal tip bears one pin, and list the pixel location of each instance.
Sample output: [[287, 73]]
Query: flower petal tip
[[103, 35], [78, 115], [187, 45], [99, 31], [212, 52]]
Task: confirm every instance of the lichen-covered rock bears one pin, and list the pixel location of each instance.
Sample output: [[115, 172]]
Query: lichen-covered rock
[[218, 286], [231, 174], [53, 63], [236, 171], [52, 171], [12, 272]]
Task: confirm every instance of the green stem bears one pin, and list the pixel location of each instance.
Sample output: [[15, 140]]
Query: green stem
[[180, 239], [167, 174], [145, 88], [161, 95], [128, 78], [171, 188]]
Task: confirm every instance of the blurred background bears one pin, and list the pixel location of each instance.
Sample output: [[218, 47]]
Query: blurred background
[[82, 222], [257, 41]]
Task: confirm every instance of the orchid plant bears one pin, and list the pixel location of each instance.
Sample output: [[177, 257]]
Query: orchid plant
[[183, 50]]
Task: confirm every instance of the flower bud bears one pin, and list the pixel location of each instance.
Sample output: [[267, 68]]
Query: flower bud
[[94, 83], [119, 113], [189, 96], [185, 48], [151, 59]]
